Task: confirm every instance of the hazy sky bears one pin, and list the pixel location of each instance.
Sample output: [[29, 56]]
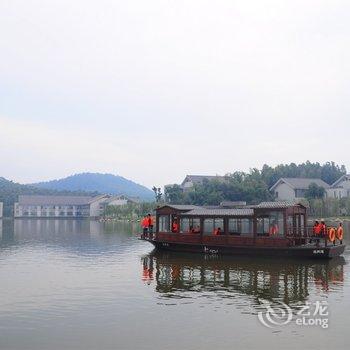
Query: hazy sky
[[154, 90]]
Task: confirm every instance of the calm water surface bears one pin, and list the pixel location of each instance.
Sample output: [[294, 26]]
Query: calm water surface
[[68, 284]]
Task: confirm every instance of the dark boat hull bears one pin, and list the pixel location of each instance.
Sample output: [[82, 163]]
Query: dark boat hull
[[306, 251]]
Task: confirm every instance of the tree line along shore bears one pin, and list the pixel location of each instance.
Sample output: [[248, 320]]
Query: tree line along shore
[[251, 187]]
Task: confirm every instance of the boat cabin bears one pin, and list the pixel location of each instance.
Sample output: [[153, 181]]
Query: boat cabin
[[273, 224]]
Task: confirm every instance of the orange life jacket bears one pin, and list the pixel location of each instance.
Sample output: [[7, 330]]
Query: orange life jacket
[[144, 223], [317, 229], [150, 221], [273, 230], [175, 227]]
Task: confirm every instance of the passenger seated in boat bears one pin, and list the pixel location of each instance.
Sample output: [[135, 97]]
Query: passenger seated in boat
[[273, 231], [195, 229], [175, 227], [217, 231]]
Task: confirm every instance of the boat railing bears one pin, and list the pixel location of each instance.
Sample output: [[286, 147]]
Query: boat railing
[[300, 232], [304, 235]]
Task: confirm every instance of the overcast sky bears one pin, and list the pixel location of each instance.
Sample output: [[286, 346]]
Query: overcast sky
[[153, 90]]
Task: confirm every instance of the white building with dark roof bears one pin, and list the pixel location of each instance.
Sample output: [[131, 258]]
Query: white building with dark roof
[[340, 188], [118, 201], [122, 200], [37, 206], [288, 189]]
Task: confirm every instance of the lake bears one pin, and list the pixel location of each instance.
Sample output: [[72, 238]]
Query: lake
[[76, 284]]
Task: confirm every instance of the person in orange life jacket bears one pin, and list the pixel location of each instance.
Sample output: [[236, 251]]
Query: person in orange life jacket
[[144, 224], [174, 226], [316, 228], [340, 231], [217, 231], [196, 229], [150, 223], [273, 229]]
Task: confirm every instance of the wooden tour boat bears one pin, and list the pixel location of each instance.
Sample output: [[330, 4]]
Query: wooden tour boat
[[266, 229]]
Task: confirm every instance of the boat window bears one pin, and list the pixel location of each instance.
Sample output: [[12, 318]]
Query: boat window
[[299, 223], [212, 224], [164, 221], [247, 227], [184, 225], [233, 226], [277, 223], [271, 225], [290, 225], [240, 226], [196, 226], [262, 226], [208, 226], [219, 223], [190, 225]]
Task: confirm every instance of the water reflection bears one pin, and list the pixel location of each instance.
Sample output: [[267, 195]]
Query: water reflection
[[6, 231], [78, 236], [77, 284], [177, 276]]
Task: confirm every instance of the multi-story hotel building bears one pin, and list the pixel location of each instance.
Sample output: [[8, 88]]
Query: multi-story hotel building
[[38, 206]]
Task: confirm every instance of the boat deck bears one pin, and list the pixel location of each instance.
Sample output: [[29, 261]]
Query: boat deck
[[308, 250]]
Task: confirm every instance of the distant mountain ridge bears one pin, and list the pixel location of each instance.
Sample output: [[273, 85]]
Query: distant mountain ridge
[[96, 182]]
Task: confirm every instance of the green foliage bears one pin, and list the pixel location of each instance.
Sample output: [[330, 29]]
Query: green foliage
[[131, 211], [157, 193], [328, 172], [173, 194], [253, 187], [238, 187], [314, 191], [316, 208], [329, 207]]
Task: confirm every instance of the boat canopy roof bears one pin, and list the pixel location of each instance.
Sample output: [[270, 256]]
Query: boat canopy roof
[[220, 212], [278, 205], [241, 211], [180, 207]]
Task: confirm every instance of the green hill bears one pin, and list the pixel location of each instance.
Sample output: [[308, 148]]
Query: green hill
[[102, 183]]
